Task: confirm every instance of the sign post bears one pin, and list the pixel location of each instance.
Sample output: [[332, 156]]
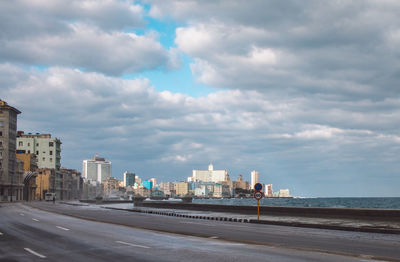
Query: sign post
[[258, 195]]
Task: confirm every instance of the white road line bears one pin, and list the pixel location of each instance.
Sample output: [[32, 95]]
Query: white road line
[[203, 224], [22, 214], [132, 245], [34, 253], [63, 228], [1, 234], [213, 237], [34, 219]]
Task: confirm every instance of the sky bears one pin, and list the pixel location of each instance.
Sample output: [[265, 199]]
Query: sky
[[305, 92]]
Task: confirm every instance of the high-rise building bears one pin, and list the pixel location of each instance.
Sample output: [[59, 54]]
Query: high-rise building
[[46, 149], [129, 178], [11, 186], [96, 169], [254, 178]]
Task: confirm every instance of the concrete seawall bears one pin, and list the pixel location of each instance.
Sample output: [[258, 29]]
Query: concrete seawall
[[316, 212]]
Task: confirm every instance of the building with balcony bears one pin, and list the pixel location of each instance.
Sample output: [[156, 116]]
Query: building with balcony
[[11, 186], [46, 148]]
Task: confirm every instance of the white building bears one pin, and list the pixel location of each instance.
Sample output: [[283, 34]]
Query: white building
[[209, 175], [46, 148], [284, 193], [96, 169], [255, 178]]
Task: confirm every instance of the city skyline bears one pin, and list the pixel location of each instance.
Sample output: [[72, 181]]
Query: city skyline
[[305, 93]]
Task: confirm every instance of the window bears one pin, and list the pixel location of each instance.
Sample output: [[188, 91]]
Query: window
[[20, 143], [51, 152], [37, 144], [29, 151], [44, 152], [44, 159], [51, 143], [29, 144], [1, 123], [51, 159], [1, 133], [37, 152], [1, 143]]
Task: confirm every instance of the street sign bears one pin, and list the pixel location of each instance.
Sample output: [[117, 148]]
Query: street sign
[[258, 195], [258, 187]]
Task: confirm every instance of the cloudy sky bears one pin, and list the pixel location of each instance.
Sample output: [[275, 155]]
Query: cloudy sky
[[305, 92]]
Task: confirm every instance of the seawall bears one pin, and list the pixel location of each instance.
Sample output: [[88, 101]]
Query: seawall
[[312, 212]]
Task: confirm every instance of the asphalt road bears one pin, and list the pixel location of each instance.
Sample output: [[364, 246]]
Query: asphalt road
[[30, 234]]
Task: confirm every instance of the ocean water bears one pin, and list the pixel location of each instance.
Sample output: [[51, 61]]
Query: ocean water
[[337, 202]]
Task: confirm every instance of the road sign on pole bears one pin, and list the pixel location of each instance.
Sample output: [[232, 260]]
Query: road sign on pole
[[258, 187], [258, 195]]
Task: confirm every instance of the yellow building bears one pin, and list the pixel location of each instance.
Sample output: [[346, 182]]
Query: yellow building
[[182, 188], [44, 182], [30, 161]]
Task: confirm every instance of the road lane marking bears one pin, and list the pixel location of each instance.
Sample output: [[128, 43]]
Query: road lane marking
[[34, 219], [203, 224], [130, 244], [213, 237], [1, 234], [63, 228], [34, 253], [22, 214]]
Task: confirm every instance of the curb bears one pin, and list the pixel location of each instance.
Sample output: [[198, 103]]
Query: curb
[[229, 219]]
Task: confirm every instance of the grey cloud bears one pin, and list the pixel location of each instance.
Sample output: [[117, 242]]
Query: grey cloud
[[166, 135], [22, 18], [336, 47], [80, 34]]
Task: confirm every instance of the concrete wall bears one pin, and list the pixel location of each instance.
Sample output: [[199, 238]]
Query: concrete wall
[[312, 212]]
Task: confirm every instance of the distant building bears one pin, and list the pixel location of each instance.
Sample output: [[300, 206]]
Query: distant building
[[168, 188], [11, 186], [221, 190], [204, 191], [154, 181], [284, 193], [209, 175], [255, 178], [46, 148], [96, 169], [269, 191], [240, 183], [111, 187], [129, 178], [71, 186], [182, 188], [138, 180], [148, 184]]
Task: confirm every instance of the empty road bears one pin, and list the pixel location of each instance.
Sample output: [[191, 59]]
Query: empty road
[[30, 234]]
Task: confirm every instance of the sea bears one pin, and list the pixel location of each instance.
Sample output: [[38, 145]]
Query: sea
[[335, 202]]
